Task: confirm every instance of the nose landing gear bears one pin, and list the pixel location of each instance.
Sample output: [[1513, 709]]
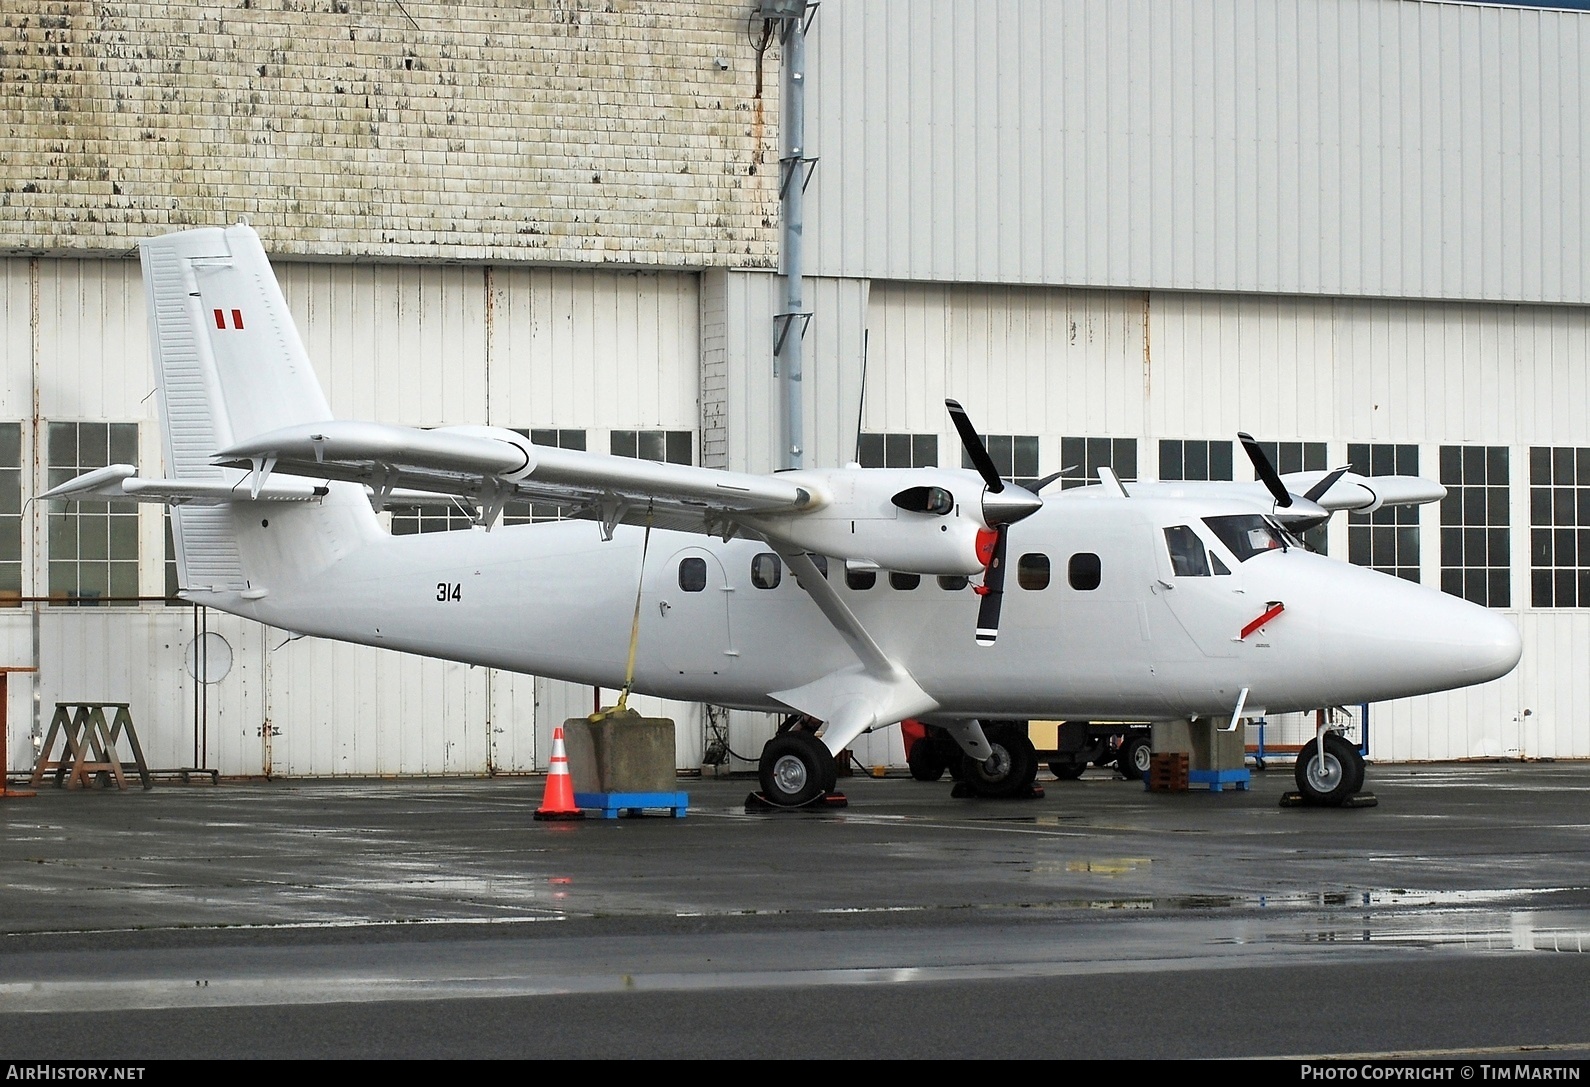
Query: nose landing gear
[[1332, 775]]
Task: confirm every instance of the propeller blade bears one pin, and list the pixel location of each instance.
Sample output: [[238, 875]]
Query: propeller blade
[[1265, 470], [975, 450], [992, 591], [1039, 484], [1316, 492]]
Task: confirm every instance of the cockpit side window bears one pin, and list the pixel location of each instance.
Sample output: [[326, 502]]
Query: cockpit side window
[[1247, 534], [1187, 555]]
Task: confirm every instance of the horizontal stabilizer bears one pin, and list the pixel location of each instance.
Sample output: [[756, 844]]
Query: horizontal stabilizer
[[122, 482]]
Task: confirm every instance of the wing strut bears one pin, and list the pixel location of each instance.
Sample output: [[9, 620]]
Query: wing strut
[[852, 700]]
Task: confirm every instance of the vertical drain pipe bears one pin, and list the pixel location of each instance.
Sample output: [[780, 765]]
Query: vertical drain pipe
[[789, 324]]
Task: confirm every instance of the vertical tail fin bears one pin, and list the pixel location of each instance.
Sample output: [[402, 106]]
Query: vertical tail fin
[[229, 364]]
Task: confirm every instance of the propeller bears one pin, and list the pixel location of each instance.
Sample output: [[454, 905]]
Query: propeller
[[1004, 503], [1303, 512], [1265, 470]]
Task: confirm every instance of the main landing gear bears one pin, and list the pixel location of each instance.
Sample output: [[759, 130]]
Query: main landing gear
[[1008, 772], [1333, 778], [796, 768]]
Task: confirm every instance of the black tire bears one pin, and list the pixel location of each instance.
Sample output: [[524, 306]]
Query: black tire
[[925, 760], [795, 769], [1337, 777], [1137, 756], [1067, 771], [1008, 772]]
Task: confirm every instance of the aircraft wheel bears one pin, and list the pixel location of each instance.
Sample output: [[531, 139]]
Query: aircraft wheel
[[796, 768], [925, 760], [1009, 771], [1331, 780], [1137, 756], [1067, 771]]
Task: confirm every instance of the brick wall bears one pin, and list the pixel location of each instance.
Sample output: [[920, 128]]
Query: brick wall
[[552, 130]]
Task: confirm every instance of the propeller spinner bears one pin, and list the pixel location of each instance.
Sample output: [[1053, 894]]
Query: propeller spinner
[[1004, 503]]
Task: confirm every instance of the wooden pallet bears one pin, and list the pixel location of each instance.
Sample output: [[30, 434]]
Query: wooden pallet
[[1167, 772]]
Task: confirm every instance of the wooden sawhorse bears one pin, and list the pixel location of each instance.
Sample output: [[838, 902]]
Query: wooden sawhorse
[[90, 753]]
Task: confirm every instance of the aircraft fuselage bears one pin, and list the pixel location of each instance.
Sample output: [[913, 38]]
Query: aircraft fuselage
[[1098, 621]]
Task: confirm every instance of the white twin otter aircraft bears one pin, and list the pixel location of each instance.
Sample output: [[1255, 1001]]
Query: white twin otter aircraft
[[1148, 601]]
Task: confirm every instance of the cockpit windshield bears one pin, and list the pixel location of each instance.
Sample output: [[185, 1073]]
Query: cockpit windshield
[[1247, 534]]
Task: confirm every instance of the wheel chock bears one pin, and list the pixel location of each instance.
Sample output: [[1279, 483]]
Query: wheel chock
[[757, 802], [1357, 800]]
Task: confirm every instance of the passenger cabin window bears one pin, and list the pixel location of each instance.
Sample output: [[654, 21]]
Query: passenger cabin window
[[1032, 571], [860, 579], [898, 580], [693, 575], [1247, 534], [766, 570], [1187, 555], [953, 582], [1084, 571]]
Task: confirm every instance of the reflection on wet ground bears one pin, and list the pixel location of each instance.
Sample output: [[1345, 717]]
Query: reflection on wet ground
[[292, 894]]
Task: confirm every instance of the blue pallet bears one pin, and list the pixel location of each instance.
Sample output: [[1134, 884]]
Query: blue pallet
[[1219, 779], [611, 804]]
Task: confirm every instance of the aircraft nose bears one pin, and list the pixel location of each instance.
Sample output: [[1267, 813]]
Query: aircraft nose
[[1396, 639], [1465, 643], [1491, 646]]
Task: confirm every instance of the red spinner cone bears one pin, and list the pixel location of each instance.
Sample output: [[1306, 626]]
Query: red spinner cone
[[558, 802]]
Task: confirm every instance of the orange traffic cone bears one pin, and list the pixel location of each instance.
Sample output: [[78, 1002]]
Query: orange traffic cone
[[558, 802]]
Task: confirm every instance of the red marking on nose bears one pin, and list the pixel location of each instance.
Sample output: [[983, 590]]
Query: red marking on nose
[[220, 319], [1274, 609]]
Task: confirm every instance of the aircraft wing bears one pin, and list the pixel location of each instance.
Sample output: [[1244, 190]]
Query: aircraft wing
[[488, 466]]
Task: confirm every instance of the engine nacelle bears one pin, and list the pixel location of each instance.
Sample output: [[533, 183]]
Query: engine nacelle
[[915, 520], [507, 437]]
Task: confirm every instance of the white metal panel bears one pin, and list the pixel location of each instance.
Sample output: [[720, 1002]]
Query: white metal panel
[[1022, 360], [750, 390], [139, 656], [394, 343], [16, 651], [93, 349], [16, 339], [512, 723], [339, 709], [744, 388], [1335, 147], [574, 348]]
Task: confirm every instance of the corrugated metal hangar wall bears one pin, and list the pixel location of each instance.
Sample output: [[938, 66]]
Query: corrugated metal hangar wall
[[1355, 228]]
